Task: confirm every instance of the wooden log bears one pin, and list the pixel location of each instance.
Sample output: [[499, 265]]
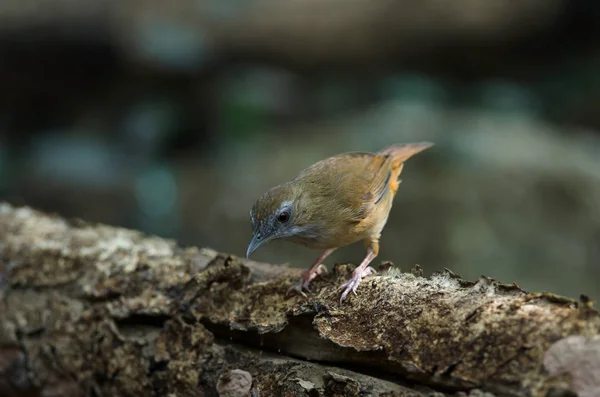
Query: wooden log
[[89, 309]]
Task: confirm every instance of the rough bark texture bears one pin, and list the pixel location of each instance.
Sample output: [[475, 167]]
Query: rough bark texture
[[96, 310]]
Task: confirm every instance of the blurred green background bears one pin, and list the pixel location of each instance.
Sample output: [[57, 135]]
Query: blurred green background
[[173, 117]]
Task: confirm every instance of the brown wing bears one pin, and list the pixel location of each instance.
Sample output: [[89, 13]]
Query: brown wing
[[352, 182]]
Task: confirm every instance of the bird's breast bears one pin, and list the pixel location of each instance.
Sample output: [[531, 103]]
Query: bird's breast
[[327, 235], [310, 241]]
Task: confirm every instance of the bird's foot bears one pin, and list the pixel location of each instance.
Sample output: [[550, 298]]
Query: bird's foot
[[307, 277], [353, 283]]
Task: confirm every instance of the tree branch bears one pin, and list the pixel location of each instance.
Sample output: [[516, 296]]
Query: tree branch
[[95, 309]]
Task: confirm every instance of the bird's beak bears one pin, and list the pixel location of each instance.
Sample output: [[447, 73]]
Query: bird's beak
[[254, 244]]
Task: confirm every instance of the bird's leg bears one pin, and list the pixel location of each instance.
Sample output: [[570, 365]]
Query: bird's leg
[[315, 269], [363, 270]]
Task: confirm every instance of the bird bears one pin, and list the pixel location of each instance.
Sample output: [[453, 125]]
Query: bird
[[333, 203]]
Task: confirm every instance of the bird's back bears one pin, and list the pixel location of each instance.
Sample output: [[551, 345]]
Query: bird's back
[[346, 178]]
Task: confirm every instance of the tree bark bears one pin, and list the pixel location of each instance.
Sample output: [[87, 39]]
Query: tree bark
[[88, 309]]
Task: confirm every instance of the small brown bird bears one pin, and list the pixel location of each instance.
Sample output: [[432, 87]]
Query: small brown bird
[[335, 202]]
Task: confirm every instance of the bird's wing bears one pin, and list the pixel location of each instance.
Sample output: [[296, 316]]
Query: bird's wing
[[355, 182]]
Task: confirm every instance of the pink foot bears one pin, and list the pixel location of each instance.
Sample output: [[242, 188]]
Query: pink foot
[[307, 277], [353, 283]]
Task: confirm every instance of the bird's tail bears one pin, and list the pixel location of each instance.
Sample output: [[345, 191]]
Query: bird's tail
[[401, 153]]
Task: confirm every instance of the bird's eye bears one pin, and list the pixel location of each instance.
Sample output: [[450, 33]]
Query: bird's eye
[[283, 217]]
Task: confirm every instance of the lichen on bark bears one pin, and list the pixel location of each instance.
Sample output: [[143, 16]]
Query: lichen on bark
[[90, 309]]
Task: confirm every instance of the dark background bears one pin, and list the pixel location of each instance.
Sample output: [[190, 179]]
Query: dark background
[[173, 117]]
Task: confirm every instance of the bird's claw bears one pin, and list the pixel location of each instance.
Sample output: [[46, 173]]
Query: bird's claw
[[299, 289], [354, 281], [305, 281]]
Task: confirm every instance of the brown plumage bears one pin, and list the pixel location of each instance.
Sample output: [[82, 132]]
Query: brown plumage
[[335, 202]]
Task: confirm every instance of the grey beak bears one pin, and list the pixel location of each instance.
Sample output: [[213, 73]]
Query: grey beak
[[254, 244]]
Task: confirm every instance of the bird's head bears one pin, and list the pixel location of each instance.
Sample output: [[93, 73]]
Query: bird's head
[[277, 214]]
